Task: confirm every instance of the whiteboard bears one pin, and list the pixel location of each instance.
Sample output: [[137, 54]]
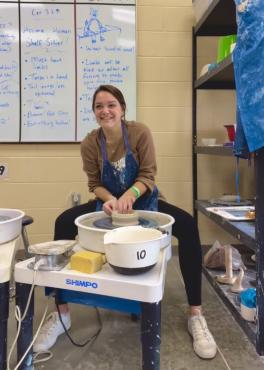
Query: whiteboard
[[53, 55], [105, 55], [112, 2], [48, 72], [9, 73]]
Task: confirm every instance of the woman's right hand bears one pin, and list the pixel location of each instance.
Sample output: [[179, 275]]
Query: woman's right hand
[[109, 206]]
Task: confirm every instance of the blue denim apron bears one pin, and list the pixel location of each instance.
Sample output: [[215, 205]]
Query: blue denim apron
[[248, 57], [118, 180]]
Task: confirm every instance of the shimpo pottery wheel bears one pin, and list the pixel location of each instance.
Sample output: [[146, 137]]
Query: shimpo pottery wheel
[[133, 249], [10, 224], [93, 226]]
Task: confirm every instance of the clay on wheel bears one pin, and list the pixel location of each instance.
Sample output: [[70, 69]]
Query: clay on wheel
[[125, 219]]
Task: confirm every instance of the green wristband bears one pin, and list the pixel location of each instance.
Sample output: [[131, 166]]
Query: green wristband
[[136, 191]]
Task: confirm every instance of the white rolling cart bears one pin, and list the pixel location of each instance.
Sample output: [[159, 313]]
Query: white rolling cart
[[138, 294]]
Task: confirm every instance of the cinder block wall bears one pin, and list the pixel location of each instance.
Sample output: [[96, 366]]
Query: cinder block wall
[[41, 177], [164, 90]]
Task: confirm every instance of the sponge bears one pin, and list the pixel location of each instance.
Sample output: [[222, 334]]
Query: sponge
[[87, 262]]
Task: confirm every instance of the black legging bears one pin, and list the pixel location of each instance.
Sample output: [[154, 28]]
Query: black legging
[[184, 229]]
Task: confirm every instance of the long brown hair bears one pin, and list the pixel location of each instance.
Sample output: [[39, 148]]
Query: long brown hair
[[113, 91]]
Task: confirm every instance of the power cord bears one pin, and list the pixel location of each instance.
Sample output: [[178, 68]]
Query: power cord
[[20, 318], [89, 340]]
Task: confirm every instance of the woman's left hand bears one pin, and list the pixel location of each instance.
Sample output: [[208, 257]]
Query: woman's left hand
[[110, 205], [125, 203]]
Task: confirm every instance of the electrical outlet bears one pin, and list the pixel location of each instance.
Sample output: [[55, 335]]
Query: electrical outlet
[[75, 199]]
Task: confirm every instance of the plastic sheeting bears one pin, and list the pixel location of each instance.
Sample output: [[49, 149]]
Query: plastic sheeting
[[248, 57]]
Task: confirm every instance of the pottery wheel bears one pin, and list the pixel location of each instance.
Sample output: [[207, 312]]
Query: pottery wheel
[[106, 223]]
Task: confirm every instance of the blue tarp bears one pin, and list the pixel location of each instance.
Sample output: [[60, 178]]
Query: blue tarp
[[248, 57]]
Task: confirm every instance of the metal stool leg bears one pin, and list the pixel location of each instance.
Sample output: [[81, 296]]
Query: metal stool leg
[[27, 220], [26, 333], [150, 335], [4, 310]]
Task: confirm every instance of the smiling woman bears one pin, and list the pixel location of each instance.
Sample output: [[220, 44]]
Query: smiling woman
[[115, 142], [108, 112], [119, 160]]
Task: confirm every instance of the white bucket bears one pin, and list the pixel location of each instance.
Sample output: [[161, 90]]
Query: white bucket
[[133, 246], [10, 224]]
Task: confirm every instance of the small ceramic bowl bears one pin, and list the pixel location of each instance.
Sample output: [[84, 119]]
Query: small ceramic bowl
[[208, 141]]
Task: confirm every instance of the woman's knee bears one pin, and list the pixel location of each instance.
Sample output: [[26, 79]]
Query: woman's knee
[[182, 218], [65, 218], [65, 223], [189, 220], [185, 225]]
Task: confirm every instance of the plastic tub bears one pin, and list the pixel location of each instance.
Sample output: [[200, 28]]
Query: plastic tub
[[10, 224], [92, 238]]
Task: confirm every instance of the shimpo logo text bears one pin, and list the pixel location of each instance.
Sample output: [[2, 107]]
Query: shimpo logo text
[[82, 283]]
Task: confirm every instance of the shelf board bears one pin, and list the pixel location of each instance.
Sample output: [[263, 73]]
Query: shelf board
[[231, 299], [218, 20], [222, 77], [244, 231], [215, 150]]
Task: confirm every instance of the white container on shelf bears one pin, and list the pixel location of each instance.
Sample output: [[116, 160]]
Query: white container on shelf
[[200, 7], [208, 141], [248, 313]]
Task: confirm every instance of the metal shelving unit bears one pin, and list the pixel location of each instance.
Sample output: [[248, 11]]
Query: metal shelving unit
[[222, 77], [231, 301], [215, 150], [219, 20], [242, 230]]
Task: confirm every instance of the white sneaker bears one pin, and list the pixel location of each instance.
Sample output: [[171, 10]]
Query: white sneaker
[[50, 331], [203, 342]]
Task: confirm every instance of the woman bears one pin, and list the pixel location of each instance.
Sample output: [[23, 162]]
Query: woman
[[119, 159]]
